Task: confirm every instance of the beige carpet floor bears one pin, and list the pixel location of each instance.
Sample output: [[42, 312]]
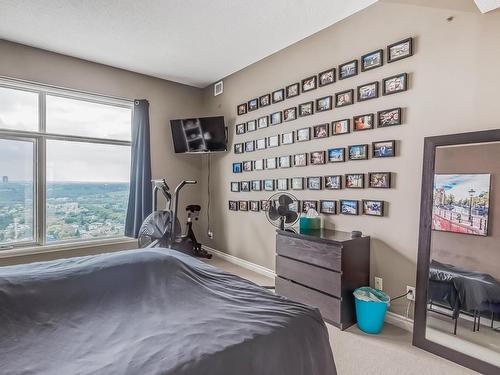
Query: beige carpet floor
[[357, 353]]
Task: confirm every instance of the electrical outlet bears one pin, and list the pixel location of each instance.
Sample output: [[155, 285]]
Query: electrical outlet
[[210, 234], [378, 283], [411, 294]]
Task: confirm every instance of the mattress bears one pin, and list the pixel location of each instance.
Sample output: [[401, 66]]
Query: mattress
[[153, 311]]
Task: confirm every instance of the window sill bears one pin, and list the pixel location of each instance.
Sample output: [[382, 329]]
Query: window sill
[[21, 251]]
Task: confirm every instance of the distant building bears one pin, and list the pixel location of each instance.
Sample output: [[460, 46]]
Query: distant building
[[5, 179]]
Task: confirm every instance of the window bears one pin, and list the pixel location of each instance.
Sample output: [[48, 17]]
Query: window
[[64, 165]]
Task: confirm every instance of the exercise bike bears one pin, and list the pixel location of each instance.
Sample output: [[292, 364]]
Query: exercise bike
[[162, 227]]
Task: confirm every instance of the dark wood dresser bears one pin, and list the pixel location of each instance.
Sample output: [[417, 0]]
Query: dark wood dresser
[[321, 268]]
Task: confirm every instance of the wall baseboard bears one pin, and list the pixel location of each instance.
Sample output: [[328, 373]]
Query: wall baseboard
[[241, 262], [390, 317]]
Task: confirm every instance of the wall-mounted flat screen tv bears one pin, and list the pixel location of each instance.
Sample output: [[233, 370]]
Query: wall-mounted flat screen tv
[[202, 134]]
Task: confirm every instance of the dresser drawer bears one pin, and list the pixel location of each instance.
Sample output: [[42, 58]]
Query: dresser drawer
[[314, 277], [318, 253], [328, 306]]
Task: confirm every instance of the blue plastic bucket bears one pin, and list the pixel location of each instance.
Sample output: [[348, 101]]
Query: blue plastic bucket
[[370, 311]]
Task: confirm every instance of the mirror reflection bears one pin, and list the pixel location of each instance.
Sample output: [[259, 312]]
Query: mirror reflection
[[463, 296]]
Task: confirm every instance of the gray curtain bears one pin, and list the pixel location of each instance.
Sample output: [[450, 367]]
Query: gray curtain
[[139, 201]]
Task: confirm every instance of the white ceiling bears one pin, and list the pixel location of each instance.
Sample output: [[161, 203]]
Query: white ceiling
[[487, 5], [190, 41]]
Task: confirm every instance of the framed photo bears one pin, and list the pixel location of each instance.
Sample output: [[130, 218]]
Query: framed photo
[[241, 109], [355, 181], [269, 185], [372, 60], [282, 184], [314, 183], [300, 160], [240, 129], [373, 208], [258, 165], [245, 186], [238, 148], [368, 91], [363, 122], [349, 207], [292, 90], [243, 205], [233, 206], [320, 131], [389, 117], [253, 104], [306, 109], [317, 157], [271, 163], [358, 152], [344, 98], [294, 206], [303, 134], [341, 127], [287, 138], [264, 100], [290, 114], [348, 69], [264, 205], [328, 207], [400, 50], [256, 185], [324, 104], [278, 96], [235, 187], [249, 146], [333, 182], [276, 118], [247, 166], [309, 84], [461, 199], [395, 84], [254, 206], [327, 77], [237, 168], [260, 144], [336, 155], [251, 126], [379, 180], [307, 205], [273, 141], [262, 122], [297, 183], [384, 149], [284, 161]]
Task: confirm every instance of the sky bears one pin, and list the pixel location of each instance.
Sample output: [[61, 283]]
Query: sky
[[460, 184], [66, 161]]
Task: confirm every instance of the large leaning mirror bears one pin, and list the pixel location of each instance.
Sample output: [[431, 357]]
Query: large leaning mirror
[[457, 313]]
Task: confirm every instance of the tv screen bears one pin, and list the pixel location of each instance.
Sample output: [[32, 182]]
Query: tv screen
[[204, 134]]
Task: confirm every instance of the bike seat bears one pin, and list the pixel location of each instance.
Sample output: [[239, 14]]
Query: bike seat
[[193, 208]]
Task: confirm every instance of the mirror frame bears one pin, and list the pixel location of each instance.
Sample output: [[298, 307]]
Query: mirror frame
[[424, 247]]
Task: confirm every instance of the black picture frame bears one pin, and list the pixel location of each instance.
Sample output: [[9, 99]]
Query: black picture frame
[[300, 134], [312, 81], [367, 65], [273, 165], [292, 90], [273, 141], [312, 157], [264, 205], [353, 69], [395, 119], [328, 212], [256, 185], [254, 206], [329, 186], [306, 204], [238, 148], [287, 112], [280, 182], [262, 122], [361, 98], [326, 77], [247, 166], [355, 123], [258, 165], [403, 88], [408, 41], [315, 179], [264, 100], [372, 185], [355, 207], [284, 165], [249, 146], [290, 138], [350, 92], [278, 96], [321, 131], [306, 109], [243, 205], [251, 126], [347, 184], [237, 168], [319, 104], [275, 118], [240, 129], [294, 181], [301, 164], [241, 109], [261, 144], [268, 184], [253, 104], [377, 153], [364, 209], [365, 153], [340, 127], [233, 205], [235, 186], [330, 151], [245, 186]]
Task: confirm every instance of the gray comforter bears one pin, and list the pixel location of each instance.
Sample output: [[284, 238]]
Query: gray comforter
[[152, 311]]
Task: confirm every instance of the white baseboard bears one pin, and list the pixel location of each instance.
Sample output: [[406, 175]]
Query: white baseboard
[[399, 321], [241, 262]]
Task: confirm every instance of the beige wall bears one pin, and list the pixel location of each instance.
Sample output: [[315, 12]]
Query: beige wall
[[454, 82], [472, 253], [167, 100]]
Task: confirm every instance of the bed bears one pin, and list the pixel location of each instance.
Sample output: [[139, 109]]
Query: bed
[[152, 311]]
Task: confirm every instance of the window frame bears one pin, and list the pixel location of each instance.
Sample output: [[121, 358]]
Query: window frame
[[39, 139]]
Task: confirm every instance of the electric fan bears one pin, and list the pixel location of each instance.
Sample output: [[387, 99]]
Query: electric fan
[[283, 210]]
